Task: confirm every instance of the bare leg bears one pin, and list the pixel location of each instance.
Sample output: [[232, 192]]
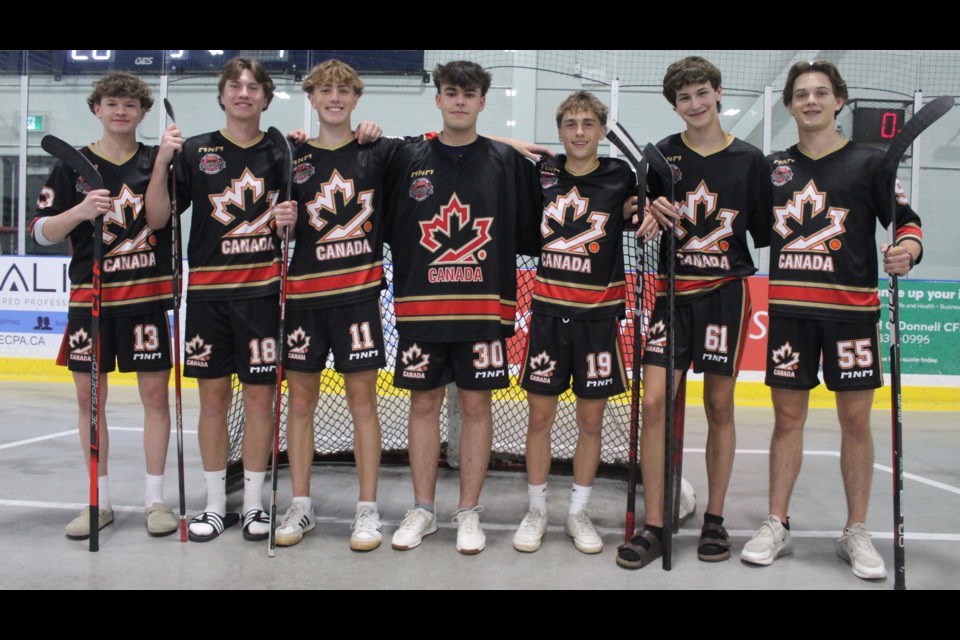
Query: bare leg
[[721, 438], [786, 446], [212, 429], [652, 439], [304, 391], [82, 385], [543, 411], [155, 396], [586, 457], [258, 428], [856, 451], [361, 388], [424, 432], [475, 442]]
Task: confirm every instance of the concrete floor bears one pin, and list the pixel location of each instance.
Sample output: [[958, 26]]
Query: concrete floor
[[43, 484]]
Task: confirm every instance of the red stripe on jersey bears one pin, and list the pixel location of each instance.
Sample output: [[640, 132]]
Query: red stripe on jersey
[[797, 293], [332, 283], [909, 230], [129, 294], [560, 294], [453, 308], [234, 276], [690, 286]]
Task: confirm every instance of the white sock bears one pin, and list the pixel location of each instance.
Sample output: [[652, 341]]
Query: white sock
[[579, 497], [368, 505], [103, 491], [253, 490], [216, 491], [306, 501], [538, 497], [153, 491]]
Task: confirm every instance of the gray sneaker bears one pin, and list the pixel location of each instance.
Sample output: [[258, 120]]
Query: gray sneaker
[[771, 540], [529, 536], [416, 524], [297, 521], [855, 547], [585, 537], [79, 527]]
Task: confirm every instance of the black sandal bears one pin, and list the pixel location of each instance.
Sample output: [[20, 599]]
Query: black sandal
[[714, 545], [218, 523], [633, 555]]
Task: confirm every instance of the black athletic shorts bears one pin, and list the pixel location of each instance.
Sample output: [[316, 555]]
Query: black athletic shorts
[[587, 350], [354, 333], [850, 351], [233, 336], [710, 332], [138, 342], [477, 365]]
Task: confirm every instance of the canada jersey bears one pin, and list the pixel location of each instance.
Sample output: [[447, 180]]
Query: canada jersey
[[339, 254], [455, 226], [721, 196], [136, 266], [233, 250], [823, 251], [580, 274]]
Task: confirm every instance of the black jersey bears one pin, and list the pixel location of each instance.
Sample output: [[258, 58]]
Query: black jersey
[[721, 196], [136, 269], [823, 252], [455, 226], [233, 250], [340, 194], [580, 274]]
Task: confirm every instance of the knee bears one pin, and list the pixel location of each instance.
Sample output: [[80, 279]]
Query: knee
[[719, 412], [591, 427]]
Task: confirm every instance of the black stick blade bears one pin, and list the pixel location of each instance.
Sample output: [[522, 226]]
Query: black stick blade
[[926, 116], [280, 141], [169, 108], [660, 166], [69, 156]]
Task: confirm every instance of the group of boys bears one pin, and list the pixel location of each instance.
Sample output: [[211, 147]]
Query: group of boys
[[455, 292]]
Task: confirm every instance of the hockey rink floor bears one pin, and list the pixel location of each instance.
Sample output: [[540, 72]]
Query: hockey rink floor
[[44, 484]]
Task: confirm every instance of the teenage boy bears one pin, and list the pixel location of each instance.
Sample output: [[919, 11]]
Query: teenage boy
[[460, 207], [578, 300], [232, 178], [829, 195], [333, 295], [720, 185], [136, 285]]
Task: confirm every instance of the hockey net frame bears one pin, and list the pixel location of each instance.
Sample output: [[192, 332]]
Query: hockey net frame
[[333, 426]]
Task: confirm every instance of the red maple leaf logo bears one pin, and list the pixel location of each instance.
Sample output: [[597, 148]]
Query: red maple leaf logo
[[442, 223]]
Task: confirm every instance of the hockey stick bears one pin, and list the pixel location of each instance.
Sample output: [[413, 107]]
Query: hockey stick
[[177, 264], [281, 143], [926, 116], [619, 137], [76, 161], [673, 435]]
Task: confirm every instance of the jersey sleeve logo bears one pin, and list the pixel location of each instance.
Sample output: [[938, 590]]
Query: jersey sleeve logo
[[212, 163], [357, 226], [712, 242], [821, 241], [781, 176], [581, 243], [421, 189], [234, 195], [83, 186], [45, 199], [460, 243]]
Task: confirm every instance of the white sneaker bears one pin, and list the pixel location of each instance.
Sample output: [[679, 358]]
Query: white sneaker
[[366, 531], [416, 524], [585, 537], [297, 521], [855, 547], [470, 537], [688, 500], [771, 540], [529, 536]]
